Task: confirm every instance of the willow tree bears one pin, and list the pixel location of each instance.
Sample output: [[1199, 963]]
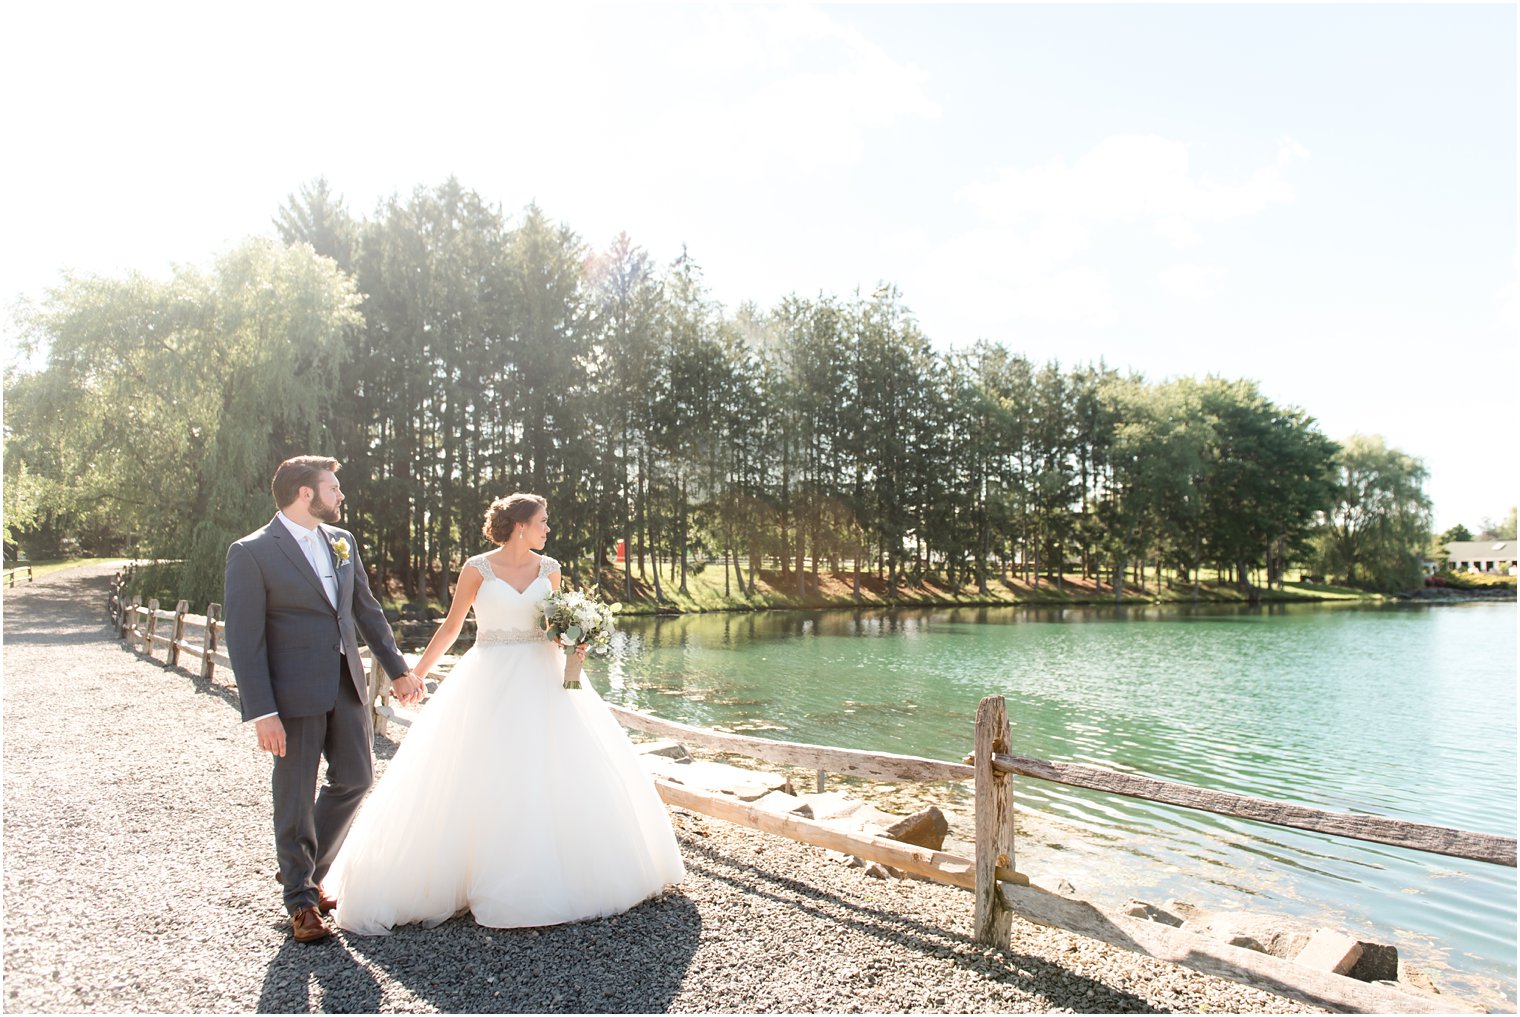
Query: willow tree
[[166, 404], [1376, 530]]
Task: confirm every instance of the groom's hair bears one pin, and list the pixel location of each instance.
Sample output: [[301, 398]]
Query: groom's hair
[[299, 472]]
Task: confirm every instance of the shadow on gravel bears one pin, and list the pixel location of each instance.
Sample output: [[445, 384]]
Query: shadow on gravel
[[318, 976], [226, 693], [1029, 973], [631, 963]]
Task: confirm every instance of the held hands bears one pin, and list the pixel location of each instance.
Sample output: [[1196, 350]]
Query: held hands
[[408, 688], [271, 735]]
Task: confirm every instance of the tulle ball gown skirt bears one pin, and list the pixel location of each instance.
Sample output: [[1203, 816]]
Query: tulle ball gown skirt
[[512, 798]]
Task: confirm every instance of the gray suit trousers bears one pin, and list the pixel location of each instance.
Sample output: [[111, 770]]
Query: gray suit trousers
[[309, 830]]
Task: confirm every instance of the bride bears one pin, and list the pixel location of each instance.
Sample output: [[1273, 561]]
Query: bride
[[511, 796]]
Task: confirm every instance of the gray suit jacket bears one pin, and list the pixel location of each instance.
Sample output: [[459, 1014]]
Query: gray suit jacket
[[283, 635]]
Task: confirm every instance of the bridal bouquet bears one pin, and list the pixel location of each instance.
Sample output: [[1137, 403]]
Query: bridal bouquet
[[573, 620]]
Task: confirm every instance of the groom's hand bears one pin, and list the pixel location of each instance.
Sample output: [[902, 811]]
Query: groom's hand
[[408, 688], [271, 735]]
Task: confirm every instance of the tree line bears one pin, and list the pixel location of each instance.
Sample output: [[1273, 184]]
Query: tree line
[[448, 355]]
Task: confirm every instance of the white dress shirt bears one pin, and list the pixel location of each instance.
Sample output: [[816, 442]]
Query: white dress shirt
[[318, 553]]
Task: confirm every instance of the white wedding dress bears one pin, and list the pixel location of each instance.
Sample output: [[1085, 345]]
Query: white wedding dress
[[511, 796]]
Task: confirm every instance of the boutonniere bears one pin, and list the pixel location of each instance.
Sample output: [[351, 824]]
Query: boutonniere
[[340, 548]]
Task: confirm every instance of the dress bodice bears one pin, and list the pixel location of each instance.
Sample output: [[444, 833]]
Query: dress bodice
[[505, 613]]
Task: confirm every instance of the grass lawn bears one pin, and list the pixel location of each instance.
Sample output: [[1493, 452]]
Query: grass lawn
[[705, 592]]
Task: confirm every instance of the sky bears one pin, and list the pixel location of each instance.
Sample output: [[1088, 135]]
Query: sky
[[1319, 198]]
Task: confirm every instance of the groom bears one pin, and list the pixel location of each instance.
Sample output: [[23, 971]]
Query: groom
[[296, 601]]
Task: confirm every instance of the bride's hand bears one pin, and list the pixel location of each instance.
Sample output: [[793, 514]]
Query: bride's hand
[[580, 651]]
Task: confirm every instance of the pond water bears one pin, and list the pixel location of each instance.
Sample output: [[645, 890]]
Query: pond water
[[1401, 711]]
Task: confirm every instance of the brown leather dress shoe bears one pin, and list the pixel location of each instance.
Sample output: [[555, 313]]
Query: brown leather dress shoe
[[325, 903], [308, 927]]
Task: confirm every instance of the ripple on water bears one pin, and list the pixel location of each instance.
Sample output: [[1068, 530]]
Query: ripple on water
[[1408, 713]]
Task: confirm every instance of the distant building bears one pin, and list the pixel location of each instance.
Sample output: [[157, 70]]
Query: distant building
[[1496, 556]]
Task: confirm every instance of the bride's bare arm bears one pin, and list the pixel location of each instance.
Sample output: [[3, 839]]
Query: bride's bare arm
[[448, 631]]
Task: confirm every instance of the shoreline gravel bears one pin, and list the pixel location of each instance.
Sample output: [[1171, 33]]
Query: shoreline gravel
[[139, 861]]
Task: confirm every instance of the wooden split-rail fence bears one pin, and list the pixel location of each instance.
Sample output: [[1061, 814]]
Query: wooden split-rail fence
[[15, 575], [1000, 890]]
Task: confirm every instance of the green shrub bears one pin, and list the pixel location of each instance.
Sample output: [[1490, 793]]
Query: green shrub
[[1475, 580]]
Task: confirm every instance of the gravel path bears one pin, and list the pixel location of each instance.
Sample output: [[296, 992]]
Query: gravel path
[[139, 865]]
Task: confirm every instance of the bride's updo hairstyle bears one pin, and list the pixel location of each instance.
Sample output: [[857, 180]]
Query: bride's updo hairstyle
[[505, 513]]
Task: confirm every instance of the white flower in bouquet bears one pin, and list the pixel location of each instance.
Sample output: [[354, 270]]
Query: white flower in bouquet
[[573, 620]]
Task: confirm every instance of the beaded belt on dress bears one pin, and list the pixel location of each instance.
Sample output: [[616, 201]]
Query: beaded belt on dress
[[507, 636]]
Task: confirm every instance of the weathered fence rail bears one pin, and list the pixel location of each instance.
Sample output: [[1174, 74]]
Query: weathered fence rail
[[15, 575], [1443, 840], [852, 762], [1000, 890]]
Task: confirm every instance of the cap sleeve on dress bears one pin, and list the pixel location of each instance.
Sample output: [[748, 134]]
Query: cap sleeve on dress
[[482, 566], [546, 565]]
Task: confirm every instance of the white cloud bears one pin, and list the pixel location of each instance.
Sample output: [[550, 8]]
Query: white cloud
[[1127, 178], [1191, 280], [1508, 296], [1051, 236], [820, 87], [995, 276], [1178, 232]]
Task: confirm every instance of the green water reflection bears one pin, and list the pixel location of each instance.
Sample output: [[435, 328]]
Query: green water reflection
[[1397, 711]]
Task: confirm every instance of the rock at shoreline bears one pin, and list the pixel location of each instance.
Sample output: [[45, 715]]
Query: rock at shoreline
[[925, 829], [1328, 950], [1379, 963], [1285, 938], [1273, 934], [1150, 912], [665, 747], [1182, 909], [828, 805], [1417, 978]]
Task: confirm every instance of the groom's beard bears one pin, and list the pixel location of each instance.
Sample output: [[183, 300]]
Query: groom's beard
[[328, 512]]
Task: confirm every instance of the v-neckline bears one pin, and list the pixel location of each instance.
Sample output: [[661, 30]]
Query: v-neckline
[[496, 576]]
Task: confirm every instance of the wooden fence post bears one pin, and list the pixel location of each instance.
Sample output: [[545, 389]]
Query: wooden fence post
[[179, 632], [152, 626], [994, 823], [208, 649], [375, 679], [126, 611], [131, 628], [119, 604]]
